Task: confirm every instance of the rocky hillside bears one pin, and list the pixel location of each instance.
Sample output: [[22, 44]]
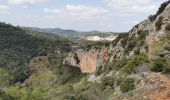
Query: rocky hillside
[[144, 38], [135, 66], [130, 64]]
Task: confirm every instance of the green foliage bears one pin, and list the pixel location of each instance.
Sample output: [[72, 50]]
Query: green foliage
[[127, 85], [142, 35], [17, 47], [130, 46], [107, 81], [25, 93], [115, 65], [64, 72], [133, 63], [4, 96], [118, 64], [159, 23], [5, 78], [134, 41], [99, 71], [82, 90], [129, 67], [124, 65], [124, 41], [158, 65], [159, 56]]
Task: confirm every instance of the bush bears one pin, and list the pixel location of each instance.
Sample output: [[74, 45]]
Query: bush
[[99, 71], [127, 85], [158, 65], [131, 64], [115, 65], [142, 35], [25, 93], [159, 22], [118, 64], [124, 41], [5, 78], [107, 81], [129, 67], [4, 96]]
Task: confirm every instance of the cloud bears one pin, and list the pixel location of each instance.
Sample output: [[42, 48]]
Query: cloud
[[77, 11], [24, 2], [4, 9], [133, 6]]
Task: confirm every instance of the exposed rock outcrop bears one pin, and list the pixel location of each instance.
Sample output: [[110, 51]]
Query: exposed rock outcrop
[[88, 61]]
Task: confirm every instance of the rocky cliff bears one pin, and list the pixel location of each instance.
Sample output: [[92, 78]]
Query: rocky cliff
[[143, 38], [88, 61]]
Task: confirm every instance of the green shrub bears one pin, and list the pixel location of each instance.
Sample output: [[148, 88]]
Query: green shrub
[[159, 22], [158, 65], [26, 93], [107, 81], [4, 96], [124, 41], [115, 65], [142, 36], [118, 64], [131, 64], [129, 67], [5, 78], [127, 85], [99, 71]]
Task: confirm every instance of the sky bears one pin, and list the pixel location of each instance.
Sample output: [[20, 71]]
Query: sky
[[81, 15]]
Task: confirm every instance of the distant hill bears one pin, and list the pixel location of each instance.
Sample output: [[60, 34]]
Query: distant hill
[[71, 34], [56, 31]]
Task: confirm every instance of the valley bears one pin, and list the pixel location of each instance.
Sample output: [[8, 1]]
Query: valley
[[59, 64]]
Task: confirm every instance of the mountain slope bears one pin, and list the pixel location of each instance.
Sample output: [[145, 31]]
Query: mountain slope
[[17, 47]]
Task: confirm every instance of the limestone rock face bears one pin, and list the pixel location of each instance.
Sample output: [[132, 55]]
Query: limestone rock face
[[88, 61]]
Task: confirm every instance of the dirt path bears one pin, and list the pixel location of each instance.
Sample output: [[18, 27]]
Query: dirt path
[[164, 92]]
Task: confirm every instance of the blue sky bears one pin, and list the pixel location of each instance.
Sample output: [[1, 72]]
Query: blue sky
[[82, 15]]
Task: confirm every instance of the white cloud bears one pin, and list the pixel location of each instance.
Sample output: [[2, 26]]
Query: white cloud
[[77, 12], [133, 6], [24, 2], [4, 9]]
